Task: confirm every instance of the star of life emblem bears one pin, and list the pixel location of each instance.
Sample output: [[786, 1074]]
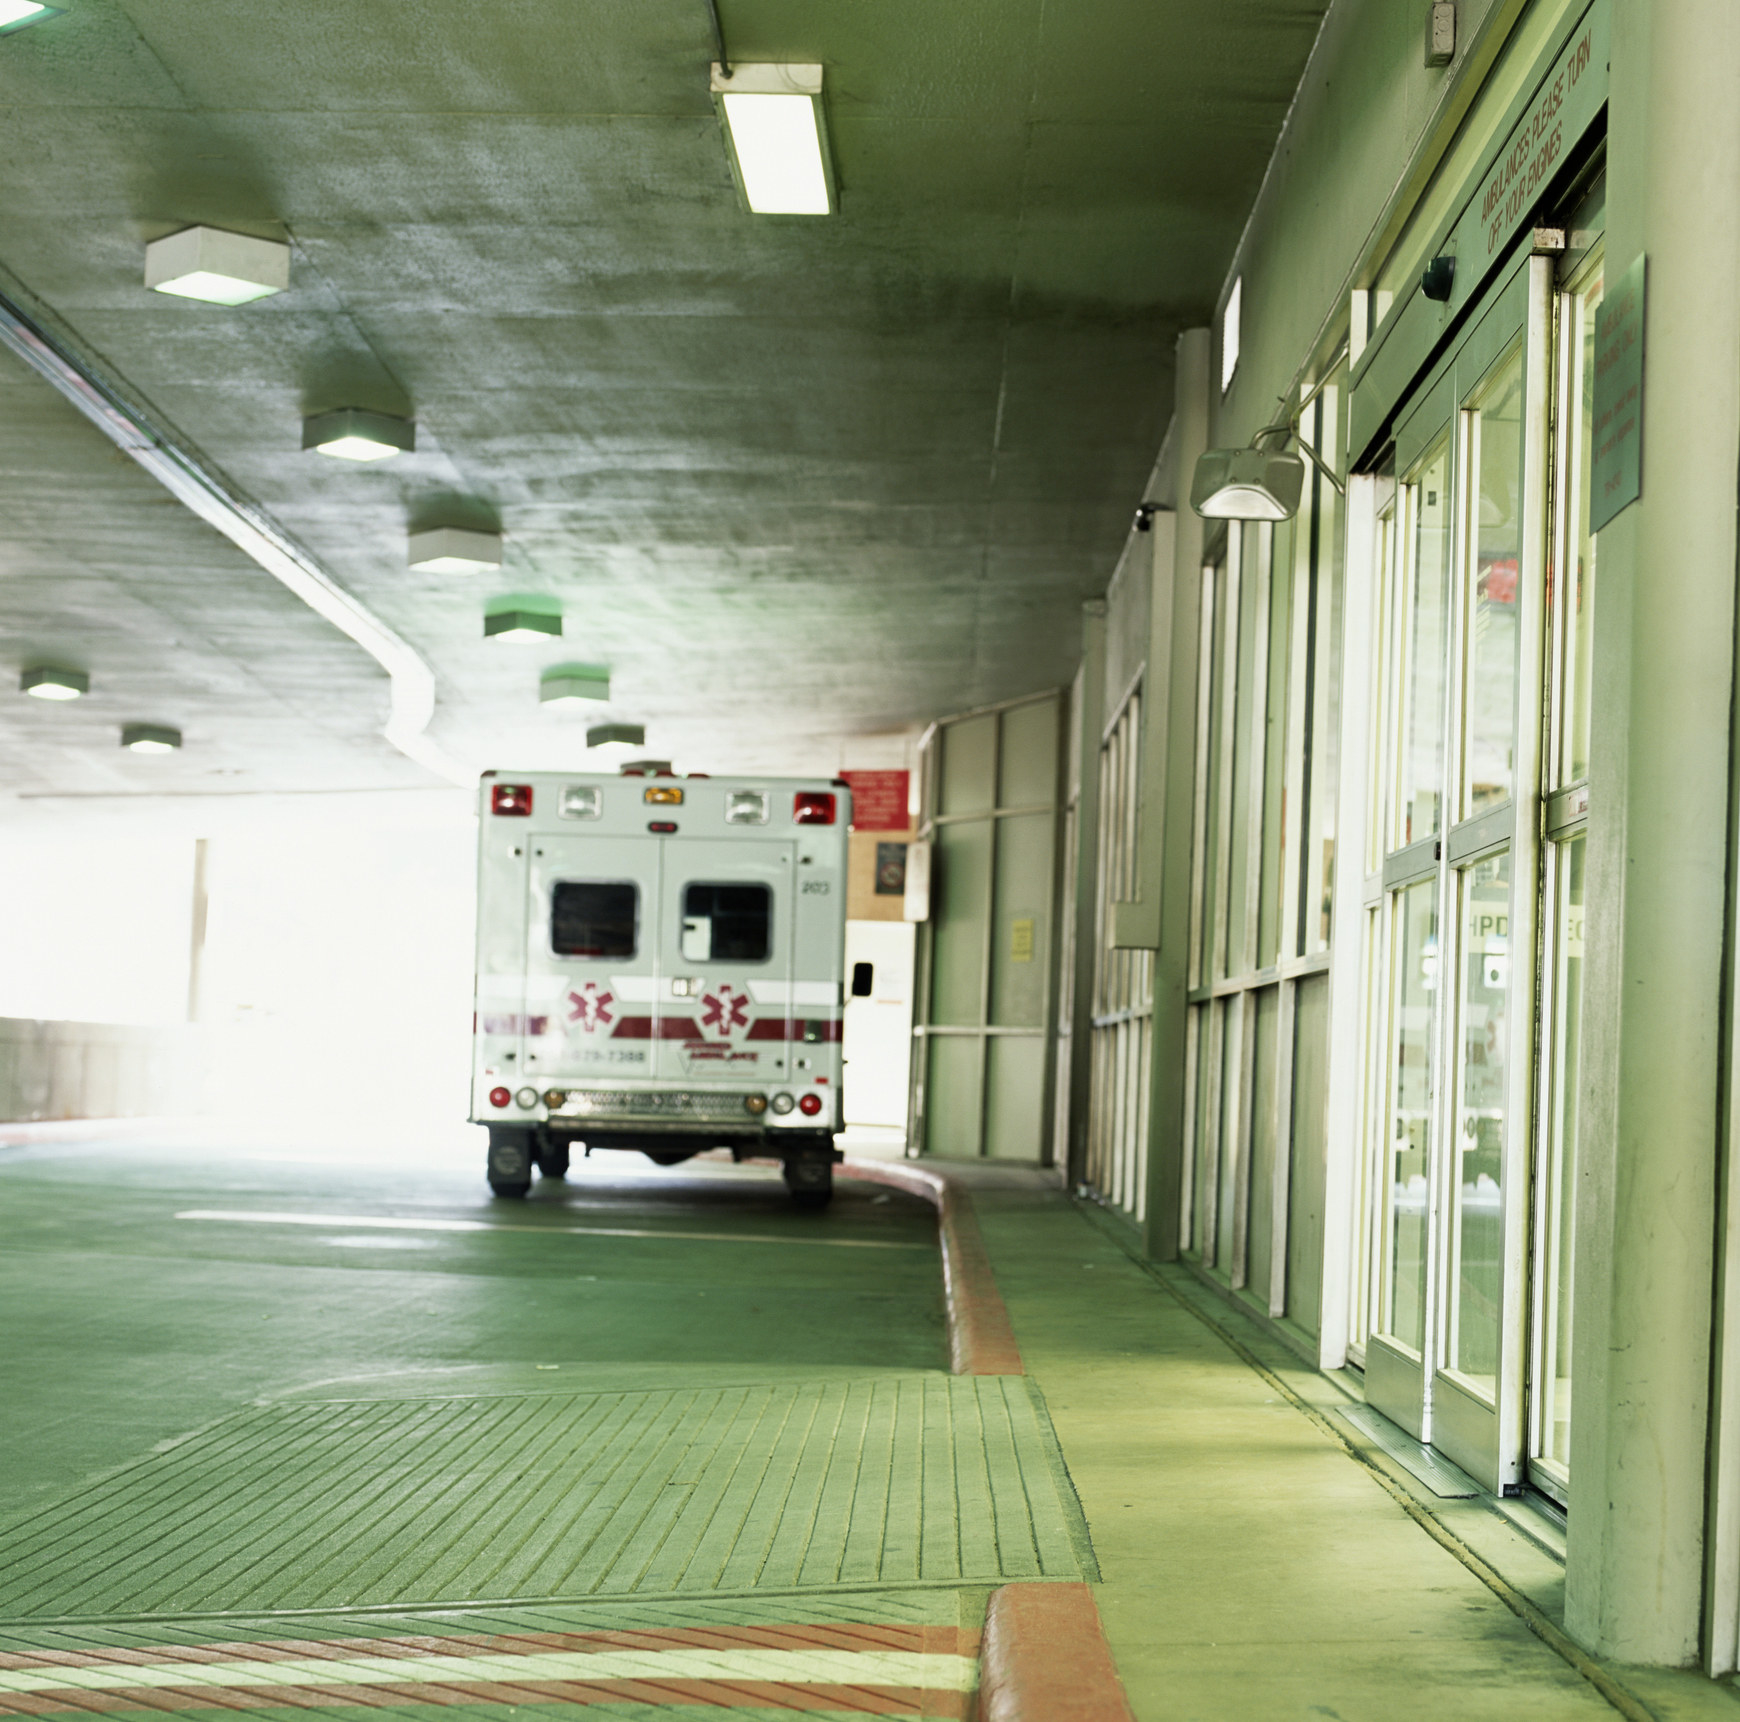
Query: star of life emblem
[[724, 1012], [591, 1007]]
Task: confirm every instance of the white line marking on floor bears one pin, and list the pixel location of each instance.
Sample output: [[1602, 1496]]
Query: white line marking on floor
[[387, 1223], [933, 1672]]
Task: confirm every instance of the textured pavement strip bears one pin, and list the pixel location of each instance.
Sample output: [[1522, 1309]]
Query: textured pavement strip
[[777, 1485], [862, 1667], [390, 1223]]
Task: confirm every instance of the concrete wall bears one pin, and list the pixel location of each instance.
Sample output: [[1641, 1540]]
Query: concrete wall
[[94, 1070]]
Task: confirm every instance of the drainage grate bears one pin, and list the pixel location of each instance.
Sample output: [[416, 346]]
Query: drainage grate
[[683, 1491]]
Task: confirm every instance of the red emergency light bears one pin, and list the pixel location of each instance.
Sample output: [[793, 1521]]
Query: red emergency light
[[810, 1104], [812, 807], [512, 799], [499, 1097]]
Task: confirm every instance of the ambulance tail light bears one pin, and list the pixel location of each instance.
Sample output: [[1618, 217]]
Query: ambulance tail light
[[810, 1104], [810, 807], [512, 800], [500, 1097]]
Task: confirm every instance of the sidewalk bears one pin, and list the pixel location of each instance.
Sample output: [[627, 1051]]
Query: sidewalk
[[1251, 1566]]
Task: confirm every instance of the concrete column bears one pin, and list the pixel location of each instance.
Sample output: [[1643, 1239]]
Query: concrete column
[[1087, 724], [1652, 1055], [1175, 612]]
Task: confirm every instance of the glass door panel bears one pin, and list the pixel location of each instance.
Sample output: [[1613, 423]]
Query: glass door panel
[[1414, 939], [1577, 314], [1476, 1193], [1494, 433], [1551, 1419], [1427, 622]]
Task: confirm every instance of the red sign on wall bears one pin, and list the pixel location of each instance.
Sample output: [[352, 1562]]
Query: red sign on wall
[[879, 800]]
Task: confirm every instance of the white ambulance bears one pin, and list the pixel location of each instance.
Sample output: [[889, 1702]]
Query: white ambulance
[[659, 967]]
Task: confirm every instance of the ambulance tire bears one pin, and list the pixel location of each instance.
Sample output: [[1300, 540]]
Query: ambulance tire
[[552, 1159], [811, 1183], [510, 1162]]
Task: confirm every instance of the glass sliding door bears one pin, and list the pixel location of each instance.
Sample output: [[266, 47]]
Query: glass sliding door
[[1458, 742]]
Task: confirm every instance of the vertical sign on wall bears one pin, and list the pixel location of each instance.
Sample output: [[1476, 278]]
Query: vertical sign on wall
[[1616, 462]]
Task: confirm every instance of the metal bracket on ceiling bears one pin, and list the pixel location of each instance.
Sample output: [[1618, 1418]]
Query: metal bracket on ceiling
[[411, 681]]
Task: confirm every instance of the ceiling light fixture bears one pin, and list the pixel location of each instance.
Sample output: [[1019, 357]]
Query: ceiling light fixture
[[355, 433], [150, 738], [453, 550], [616, 735], [47, 683], [15, 14], [220, 268], [773, 117], [514, 622], [570, 684]]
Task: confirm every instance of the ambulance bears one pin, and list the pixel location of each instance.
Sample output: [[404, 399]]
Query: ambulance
[[660, 966]]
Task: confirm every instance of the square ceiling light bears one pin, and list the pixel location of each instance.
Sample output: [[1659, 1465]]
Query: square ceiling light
[[355, 433], [569, 684], [45, 682], [773, 116], [453, 550], [519, 622], [220, 268], [150, 738], [15, 14]]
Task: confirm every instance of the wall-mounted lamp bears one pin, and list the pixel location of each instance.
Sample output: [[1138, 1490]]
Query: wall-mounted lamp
[[220, 268], [355, 433], [570, 684], [1438, 278], [45, 682], [1254, 483], [150, 738], [1145, 512]]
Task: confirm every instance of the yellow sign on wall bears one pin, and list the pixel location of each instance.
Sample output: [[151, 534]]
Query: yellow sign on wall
[[1021, 940]]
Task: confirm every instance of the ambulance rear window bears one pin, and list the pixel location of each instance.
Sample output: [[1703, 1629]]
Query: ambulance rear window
[[594, 918], [727, 923]]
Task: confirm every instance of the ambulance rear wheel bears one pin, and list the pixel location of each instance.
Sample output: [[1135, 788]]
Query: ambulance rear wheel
[[552, 1159], [811, 1182], [510, 1162]]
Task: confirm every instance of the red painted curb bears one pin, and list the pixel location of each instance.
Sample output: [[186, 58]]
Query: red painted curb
[[1045, 1658], [981, 1340]]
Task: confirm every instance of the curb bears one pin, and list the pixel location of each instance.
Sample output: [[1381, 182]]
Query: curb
[[981, 1339], [1045, 1658]]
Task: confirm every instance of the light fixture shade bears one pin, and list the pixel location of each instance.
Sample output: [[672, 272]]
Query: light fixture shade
[[218, 267], [15, 14], [1247, 484], [616, 735], [568, 684], [150, 738], [517, 624], [453, 550], [773, 117], [47, 682], [355, 433]]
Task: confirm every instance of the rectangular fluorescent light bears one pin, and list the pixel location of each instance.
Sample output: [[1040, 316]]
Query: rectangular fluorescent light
[[220, 268], [15, 14], [773, 116]]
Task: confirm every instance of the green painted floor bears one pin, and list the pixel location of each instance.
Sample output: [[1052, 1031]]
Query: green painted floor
[[314, 1433], [308, 1431]]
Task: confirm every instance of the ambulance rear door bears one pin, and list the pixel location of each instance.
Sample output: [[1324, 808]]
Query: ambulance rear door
[[592, 959], [727, 942]]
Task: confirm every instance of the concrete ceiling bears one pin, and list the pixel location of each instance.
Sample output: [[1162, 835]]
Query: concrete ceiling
[[791, 479]]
